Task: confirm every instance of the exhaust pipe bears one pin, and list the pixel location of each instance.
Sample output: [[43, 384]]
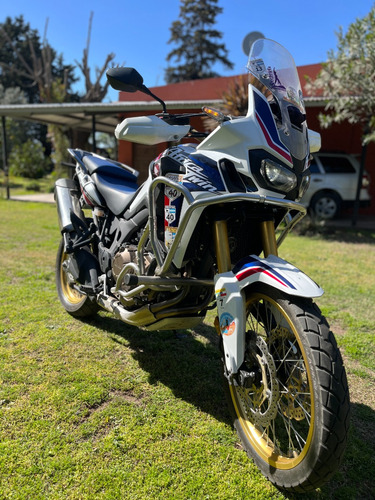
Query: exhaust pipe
[[66, 197]]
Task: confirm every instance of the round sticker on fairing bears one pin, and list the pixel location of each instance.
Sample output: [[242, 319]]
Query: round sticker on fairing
[[227, 324]]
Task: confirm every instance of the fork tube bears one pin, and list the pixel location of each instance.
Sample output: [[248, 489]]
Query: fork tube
[[268, 238], [222, 246]]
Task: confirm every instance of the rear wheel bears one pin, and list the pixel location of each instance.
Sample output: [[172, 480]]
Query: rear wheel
[[292, 414], [74, 302]]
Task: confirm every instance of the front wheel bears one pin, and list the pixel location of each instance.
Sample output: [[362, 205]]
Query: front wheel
[[74, 302], [292, 414]]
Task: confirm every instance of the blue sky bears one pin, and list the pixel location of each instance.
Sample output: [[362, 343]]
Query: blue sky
[[138, 31]]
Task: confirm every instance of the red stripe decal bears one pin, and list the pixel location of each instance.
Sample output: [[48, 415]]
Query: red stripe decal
[[270, 142], [255, 270]]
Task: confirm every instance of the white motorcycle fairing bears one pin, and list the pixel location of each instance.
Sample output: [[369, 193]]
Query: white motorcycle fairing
[[231, 302]]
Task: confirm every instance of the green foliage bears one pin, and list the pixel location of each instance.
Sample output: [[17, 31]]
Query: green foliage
[[59, 154], [347, 78], [29, 64], [197, 42], [16, 36], [16, 130], [30, 71], [28, 160], [12, 95]]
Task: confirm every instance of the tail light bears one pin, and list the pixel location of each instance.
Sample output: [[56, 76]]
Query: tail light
[[365, 181]]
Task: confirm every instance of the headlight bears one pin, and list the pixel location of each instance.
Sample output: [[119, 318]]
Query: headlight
[[277, 176]]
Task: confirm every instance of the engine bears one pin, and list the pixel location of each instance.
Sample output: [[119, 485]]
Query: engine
[[129, 256]]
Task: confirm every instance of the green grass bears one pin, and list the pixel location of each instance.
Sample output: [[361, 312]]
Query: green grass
[[21, 185], [343, 263], [103, 410]]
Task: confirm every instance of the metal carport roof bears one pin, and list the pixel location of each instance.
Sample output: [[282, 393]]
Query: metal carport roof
[[80, 115]]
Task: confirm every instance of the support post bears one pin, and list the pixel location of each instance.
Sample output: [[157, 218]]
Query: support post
[[359, 185], [93, 134], [5, 158]]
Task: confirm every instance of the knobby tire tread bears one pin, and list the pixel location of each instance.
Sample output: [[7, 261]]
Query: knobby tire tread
[[332, 377]]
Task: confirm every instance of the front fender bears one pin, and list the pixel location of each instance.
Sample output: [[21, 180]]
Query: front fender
[[277, 273], [231, 299]]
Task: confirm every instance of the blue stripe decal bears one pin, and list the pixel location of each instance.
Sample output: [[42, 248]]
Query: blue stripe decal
[[255, 262], [264, 112]]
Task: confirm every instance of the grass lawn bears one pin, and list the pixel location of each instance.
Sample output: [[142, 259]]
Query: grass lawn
[[21, 185], [103, 410]]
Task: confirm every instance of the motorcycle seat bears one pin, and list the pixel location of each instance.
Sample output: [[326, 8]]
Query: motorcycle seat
[[97, 164], [117, 192]]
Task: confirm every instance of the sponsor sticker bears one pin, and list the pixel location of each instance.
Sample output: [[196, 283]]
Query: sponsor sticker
[[171, 193], [169, 236], [221, 293], [170, 213], [227, 324]]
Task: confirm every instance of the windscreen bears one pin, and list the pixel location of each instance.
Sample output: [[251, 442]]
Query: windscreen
[[274, 67]]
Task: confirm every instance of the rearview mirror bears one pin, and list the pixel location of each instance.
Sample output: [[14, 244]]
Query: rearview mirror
[[129, 80], [315, 141], [125, 79]]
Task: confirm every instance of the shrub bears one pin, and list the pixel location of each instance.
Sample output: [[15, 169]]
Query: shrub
[[28, 160]]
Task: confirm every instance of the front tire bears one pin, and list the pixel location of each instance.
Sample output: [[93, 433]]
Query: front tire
[[74, 302], [293, 417]]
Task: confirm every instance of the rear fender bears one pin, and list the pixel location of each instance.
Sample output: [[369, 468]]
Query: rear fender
[[230, 291]]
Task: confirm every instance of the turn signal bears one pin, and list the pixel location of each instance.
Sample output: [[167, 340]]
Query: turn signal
[[214, 113]]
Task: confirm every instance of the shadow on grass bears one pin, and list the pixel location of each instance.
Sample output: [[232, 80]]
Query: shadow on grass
[[192, 369], [332, 232]]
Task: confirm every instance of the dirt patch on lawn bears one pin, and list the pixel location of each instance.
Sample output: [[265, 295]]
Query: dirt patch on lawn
[[362, 388]]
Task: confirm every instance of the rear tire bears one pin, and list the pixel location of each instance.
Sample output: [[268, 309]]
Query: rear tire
[[293, 420], [74, 302]]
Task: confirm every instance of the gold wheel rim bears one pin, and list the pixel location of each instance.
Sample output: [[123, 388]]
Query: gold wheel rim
[[265, 440], [70, 294]]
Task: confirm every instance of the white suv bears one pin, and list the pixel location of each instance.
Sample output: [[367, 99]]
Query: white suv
[[333, 184]]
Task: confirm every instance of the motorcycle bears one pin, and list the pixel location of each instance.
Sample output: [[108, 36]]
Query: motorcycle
[[203, 231]]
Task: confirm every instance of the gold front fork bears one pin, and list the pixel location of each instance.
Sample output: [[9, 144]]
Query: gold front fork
[[268, 238], [222, 246]]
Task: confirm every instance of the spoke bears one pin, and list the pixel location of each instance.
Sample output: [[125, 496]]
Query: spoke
[[296, 363], [268, 318], [289, 425], [286, 392], [282, 361], [307, 414], [251, 319]]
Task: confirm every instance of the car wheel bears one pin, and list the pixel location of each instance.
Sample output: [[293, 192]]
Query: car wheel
[[326, 205]]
